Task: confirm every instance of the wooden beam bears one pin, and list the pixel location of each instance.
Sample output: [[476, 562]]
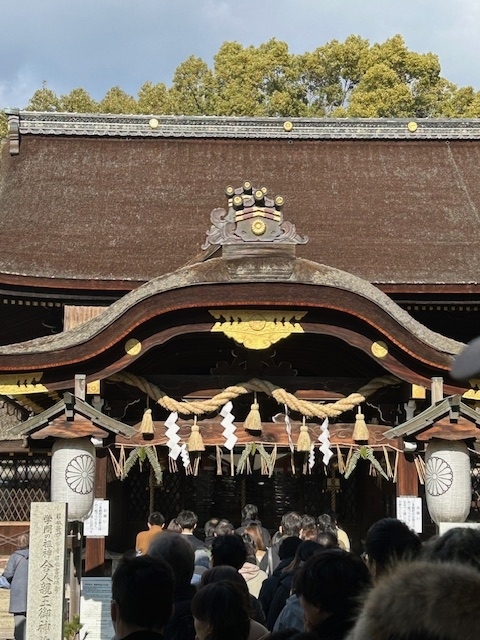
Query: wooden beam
[[95, 547], [272, 433]]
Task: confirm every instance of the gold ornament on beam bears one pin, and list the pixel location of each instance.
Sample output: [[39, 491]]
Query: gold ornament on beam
[[304, 443], [360, 430], [257, 329], [253, 421]]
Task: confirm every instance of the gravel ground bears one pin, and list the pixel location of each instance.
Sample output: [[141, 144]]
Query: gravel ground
[[6, 619]]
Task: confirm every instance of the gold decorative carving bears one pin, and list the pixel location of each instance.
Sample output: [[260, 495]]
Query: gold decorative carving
[[93, 388], [418, 392], [474, 392], [259, 227], [412, 127], [133, 347], [257, 329], [379, 349], [21, 383], [288, 126], [153, 122]]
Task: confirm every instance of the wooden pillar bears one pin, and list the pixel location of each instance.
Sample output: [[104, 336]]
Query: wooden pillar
[[95, 547], [407, 477], [437, 390]]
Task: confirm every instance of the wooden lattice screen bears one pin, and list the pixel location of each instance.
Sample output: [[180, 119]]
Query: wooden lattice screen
[[23, 480]]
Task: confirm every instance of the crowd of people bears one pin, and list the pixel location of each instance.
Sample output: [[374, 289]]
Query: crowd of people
[[302, 583]]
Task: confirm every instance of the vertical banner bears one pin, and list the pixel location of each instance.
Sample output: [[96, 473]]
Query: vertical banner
[[46, 571]]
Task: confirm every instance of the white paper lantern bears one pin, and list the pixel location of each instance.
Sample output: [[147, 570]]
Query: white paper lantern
[[73, 476], [447, 480]]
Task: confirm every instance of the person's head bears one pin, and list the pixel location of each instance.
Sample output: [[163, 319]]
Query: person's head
[[309, 534], [330, 583], [142, 595], [333, 517], [254, 531], [288, 547], [328, 539], [460, 544], [209, 527], [23, 540], [308, 522], [174, 526], [219, 612], [187, 520], [156, 518], [422, 601], [324, 522], [229, 550], [250, 547], [305, 550], [291, 524], [250, 512], [178, 552], [387, 542], [225, 572], [224, 528]]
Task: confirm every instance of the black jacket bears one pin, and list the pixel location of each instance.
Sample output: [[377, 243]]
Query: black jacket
[[280, 596], [181, 625], [269, 586]]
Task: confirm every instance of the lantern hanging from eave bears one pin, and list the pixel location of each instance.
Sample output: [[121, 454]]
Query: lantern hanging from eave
[[73, 476], [447, 480]]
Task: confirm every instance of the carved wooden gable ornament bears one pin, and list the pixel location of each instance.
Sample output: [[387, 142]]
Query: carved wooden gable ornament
[[252, 217]]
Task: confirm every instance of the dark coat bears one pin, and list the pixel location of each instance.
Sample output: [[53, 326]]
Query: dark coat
[[16, 572], [181, 625], [336, 627], [269, 586], [280, 596]]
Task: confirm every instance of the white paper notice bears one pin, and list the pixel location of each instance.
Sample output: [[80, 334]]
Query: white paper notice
[[409, 510], [96, 525]]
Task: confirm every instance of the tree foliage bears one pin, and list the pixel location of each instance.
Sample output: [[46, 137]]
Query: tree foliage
[[3, 125], [192, 89], [353, 78], [79, 101], [44, 99]]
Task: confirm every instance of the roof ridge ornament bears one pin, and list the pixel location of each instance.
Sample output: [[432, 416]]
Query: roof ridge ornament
[[252, 217]]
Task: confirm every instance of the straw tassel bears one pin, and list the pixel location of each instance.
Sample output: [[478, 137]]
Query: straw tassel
[[146, 428], [360, 430], [195, 441], [304, 443], [253, 421]]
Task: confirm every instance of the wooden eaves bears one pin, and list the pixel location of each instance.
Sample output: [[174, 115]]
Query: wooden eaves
[[450, 419], [71, 408]]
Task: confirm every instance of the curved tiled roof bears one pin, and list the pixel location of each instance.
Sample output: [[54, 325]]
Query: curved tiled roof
[[95, 201]]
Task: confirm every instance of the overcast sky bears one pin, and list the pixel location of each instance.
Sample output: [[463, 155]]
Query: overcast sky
[[98, 44]]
